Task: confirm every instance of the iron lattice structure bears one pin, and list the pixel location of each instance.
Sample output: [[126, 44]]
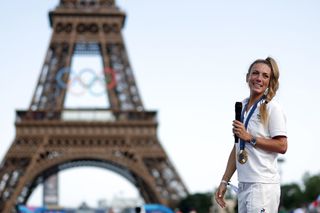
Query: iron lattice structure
[[122, 138]]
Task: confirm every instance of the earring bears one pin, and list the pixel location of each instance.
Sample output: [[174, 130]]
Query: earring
[[266, 91]]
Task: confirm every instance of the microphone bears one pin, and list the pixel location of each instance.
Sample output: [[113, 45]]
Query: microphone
[[238, 110]]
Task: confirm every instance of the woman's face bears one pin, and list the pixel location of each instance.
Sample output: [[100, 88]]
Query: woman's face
[[259, 78]]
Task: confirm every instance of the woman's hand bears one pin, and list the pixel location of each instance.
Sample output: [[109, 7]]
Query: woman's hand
[[276, 144], [219, 195], [240, 131]]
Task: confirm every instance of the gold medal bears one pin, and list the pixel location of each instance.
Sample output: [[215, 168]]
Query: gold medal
[[242, 156]]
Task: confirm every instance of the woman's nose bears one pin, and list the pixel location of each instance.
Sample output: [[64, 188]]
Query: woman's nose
[[259, 77]]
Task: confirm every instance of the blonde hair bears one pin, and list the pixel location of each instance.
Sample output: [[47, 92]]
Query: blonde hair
[[273, 85]]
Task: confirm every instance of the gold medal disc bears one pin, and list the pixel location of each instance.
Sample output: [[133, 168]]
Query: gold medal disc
[[243, 156]]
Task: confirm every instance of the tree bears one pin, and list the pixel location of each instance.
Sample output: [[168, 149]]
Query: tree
[[291, 196], [312, 187], [201, 202]]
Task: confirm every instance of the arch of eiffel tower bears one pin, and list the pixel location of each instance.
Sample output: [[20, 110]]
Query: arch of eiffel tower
[[121, 138]]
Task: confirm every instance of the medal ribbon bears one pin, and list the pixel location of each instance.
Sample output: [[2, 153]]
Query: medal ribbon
[[254, 107]]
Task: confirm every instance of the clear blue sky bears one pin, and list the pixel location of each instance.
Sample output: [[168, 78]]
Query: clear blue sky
[[189, 59]]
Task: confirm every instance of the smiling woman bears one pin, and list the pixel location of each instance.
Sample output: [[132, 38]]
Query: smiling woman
[[263, 78], [262, 132]]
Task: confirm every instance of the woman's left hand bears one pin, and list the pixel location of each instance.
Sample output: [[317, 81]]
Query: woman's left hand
[[240, 131]]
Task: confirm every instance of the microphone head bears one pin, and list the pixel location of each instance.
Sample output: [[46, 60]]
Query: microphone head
[[238, 106], [238, 109]]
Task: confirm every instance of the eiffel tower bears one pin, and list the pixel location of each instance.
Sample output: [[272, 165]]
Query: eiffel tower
[[121, 138]]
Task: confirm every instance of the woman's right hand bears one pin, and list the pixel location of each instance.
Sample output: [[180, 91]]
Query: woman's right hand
[[219, 195]]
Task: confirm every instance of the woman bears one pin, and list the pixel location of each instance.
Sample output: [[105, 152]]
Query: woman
[[262, 133]]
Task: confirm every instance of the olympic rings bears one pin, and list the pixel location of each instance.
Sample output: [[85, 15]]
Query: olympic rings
[[86, 80]]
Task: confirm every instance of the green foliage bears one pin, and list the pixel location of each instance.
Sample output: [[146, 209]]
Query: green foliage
[[291, 196], [312, 187], [201, 202]]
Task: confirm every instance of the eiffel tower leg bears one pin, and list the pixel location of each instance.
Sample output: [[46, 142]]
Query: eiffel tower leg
[[18, 165], [49, 95]]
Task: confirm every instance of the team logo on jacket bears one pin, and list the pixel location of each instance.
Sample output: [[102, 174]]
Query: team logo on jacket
[[258, 116]]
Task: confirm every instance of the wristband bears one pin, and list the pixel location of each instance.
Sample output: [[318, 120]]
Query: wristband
[[225, 182]]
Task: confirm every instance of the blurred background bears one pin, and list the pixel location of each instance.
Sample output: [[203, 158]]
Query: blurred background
[[190, 59]]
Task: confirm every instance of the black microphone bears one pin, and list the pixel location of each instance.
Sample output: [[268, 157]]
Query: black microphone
[[238, 109]]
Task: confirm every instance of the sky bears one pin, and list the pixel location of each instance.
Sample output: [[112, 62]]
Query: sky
[[189, 59]]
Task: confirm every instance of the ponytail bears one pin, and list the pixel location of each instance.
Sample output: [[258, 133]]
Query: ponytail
[[272, 88]]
